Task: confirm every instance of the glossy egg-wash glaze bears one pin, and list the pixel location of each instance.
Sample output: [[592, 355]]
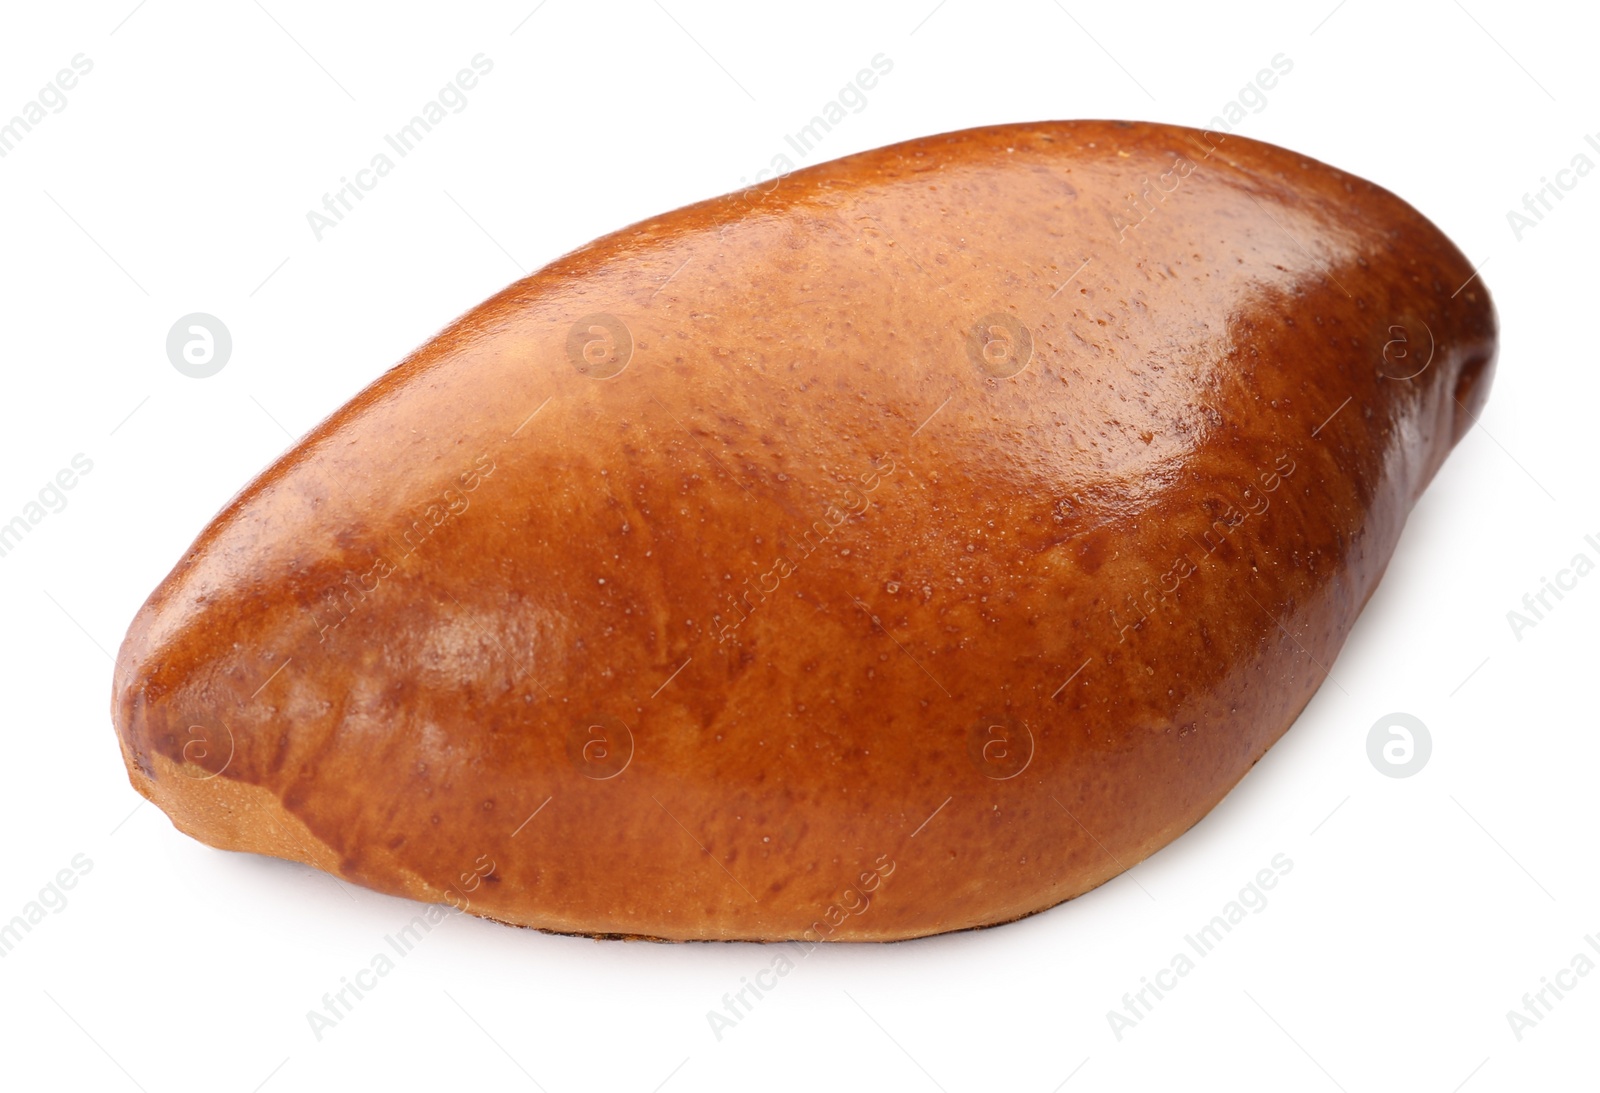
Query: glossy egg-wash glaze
[[965, 519]]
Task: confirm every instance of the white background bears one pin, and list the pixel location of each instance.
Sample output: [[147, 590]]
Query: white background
[[177, 179]]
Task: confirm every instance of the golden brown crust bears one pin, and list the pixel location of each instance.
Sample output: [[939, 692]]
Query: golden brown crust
[[929, 536]]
